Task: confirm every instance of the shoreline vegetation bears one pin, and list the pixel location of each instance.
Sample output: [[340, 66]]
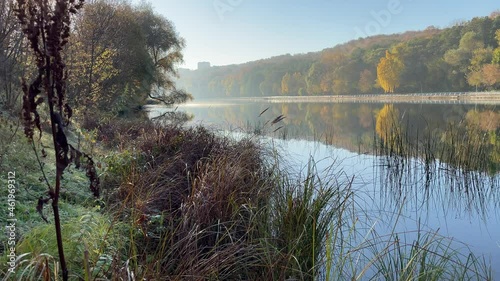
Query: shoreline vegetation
[[186, 203], [445, 97], [466, 97]]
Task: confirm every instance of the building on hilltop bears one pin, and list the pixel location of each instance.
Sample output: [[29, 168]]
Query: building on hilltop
[[203, 65]]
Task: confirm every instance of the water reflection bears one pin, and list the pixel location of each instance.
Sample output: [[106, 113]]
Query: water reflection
[[465, 136], [414, 165], [353, 126], [419, 147]]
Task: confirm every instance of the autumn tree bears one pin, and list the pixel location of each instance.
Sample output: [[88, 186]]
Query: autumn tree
[[475, 78], [488, 75], [121, 56], [484, 69], [92, 51], [491, 74], [389, 72], [460, 58], [293, 84], [285, 83]]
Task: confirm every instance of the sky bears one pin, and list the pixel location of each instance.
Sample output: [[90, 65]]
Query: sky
[[226, 32]]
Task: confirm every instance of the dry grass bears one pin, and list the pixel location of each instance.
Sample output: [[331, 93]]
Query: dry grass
[[193, 199]]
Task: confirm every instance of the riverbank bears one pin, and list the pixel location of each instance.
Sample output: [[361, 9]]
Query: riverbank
[[187, 203], [437, 98]]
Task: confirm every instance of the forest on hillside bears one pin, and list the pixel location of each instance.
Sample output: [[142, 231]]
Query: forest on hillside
[[463, 57]]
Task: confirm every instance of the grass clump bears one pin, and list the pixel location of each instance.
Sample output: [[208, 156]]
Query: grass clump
[[429, 256], [87, 240], [192, 200], [303, 212]]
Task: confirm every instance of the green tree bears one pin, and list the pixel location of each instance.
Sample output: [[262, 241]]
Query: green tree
[[313, 78], [230, 85], [496, 53], [457, 57], [475, 78], [366, 81], [91, 53], [164, 46], [496, 56], [251, 83], [460, 59], [480, 57], [299, 83], [291, 84], [471, 41]]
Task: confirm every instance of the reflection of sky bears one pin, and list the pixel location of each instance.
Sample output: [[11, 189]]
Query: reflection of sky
[[471, 220], [439, 212]]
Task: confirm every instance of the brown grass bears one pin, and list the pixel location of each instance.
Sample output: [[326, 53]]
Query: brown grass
[[207, 191]]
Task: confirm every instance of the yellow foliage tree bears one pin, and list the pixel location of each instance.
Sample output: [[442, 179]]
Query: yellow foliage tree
[[389, 72], [285, 83]]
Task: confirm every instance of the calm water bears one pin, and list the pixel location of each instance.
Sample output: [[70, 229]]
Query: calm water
[[433, 167]]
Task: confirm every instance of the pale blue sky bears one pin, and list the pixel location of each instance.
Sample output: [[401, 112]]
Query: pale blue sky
[[236, 31]]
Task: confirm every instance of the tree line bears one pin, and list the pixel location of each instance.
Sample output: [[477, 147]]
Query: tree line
[[118, 57], [463, 57]]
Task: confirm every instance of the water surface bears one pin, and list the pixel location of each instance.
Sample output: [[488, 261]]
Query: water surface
[[413, 166]]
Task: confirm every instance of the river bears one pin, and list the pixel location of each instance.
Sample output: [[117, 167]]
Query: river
[[412, 166]]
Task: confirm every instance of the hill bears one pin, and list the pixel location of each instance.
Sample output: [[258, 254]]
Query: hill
[[463, 57]]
